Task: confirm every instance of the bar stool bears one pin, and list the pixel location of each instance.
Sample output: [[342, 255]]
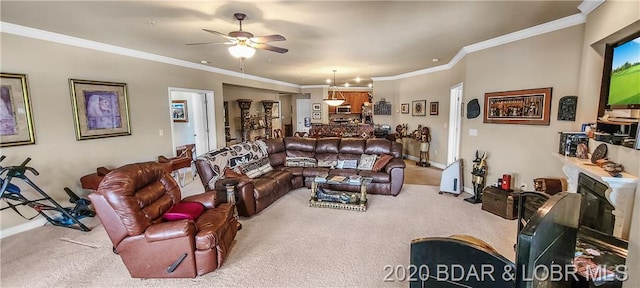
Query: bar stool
[[176, 166]]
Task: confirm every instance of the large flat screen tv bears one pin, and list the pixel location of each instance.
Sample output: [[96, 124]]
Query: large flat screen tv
[[621, 76]]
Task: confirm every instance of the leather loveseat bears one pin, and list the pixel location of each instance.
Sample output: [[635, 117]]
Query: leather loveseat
[[256, 194], [131, 201]]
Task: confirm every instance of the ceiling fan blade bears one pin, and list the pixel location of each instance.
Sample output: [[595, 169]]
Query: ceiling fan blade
[[218, 33], [268, 38], [210, 43], [269, 47]]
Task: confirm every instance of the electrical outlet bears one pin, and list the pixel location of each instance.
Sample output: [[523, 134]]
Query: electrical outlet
[[523, 186], [435, 151]]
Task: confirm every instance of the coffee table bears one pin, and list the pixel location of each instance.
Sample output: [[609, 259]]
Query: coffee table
[[339, 199]]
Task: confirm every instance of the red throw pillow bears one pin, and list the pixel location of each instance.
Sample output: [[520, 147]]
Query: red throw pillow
[[184, 210], [382, 161]]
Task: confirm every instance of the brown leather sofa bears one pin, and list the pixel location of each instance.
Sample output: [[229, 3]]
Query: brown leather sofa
[[130, 202], [256, 194]]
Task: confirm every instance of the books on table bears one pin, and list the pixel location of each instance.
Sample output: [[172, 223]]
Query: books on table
[[337, 179]]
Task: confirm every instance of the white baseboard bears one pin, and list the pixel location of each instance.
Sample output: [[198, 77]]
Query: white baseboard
[[23, 227], [434, 164]]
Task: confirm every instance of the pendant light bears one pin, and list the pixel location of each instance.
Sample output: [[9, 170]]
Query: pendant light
[[335, 97]]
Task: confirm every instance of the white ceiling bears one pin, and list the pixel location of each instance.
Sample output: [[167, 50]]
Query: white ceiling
[[358, 38]]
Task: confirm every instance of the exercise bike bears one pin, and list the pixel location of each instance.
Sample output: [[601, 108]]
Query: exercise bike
[[52, 211]]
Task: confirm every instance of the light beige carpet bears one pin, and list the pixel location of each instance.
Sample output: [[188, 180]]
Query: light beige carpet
[[287, 245]]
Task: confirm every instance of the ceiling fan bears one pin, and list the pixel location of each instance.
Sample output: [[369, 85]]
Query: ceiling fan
[[244, 43]]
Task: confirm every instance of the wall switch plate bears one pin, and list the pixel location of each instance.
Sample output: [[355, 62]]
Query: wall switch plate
[[473, 132]]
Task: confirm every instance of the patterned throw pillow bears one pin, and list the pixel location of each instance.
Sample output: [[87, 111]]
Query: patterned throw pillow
[[382, 161], [256, 168], [327, 163], [366, 161], [300, 162], [350, 164]]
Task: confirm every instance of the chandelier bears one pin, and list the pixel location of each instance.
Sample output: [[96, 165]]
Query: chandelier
[[242, 50], [334, 100]]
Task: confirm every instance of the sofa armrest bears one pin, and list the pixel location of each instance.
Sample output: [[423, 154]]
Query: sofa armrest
[[209, 199], [242, 181], [169, 230], [395, 163]]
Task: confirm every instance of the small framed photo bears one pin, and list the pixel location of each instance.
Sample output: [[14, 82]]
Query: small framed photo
[[316, 107], [316, 115], [16, 122], [261, 123], [100, 109], [179, 111], [433, 110], [404, 108], [419, 108]]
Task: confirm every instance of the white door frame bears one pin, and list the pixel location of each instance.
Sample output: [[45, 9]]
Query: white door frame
[[303, 109], [204, 119], [455, 123]]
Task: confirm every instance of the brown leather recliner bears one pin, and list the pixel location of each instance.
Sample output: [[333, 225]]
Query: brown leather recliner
[[130, 202]]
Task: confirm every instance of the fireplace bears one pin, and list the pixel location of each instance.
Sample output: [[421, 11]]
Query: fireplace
[[618, 195], [596, 211]]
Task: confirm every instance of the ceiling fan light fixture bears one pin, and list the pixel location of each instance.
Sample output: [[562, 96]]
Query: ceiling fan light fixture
[[334, 99], [242, 51]]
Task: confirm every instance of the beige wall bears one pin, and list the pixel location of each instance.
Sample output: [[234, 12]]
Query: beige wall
[[57, 155]]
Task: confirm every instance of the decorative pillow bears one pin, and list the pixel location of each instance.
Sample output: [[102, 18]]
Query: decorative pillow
[[350, 164], [300, 162], [184, 210], [256, 168], [366, 161], [382, 161], [327, 163]]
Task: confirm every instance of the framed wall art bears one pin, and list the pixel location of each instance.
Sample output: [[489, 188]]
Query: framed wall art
[[16, 120], [316, 107], [433, 108], [404, 108], [179, 111], [316, 115], [530, 106], [419, 108], [100, 109]]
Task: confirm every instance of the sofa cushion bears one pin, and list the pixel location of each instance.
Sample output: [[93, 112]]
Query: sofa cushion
[[264, 187], [256, 168], [352, 146], [328, 145], [296, 171], [378, 177], [313, 172], [277, 158], [377, 146], [300, 147], [366, 161], [211, 226], [382, 161], [343, 172]]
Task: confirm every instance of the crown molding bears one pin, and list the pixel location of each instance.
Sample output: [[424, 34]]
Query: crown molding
[[313, 86], [28, 32], [551, 26], [589, 5]]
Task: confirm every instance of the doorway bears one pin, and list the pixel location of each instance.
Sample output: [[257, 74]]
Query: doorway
[[303, 115], [455, 121], [198, 128]]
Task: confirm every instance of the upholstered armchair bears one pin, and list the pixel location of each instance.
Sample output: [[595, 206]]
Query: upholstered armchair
[[131, 201]]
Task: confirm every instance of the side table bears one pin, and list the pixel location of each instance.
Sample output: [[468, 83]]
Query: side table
[[500, 202], [230, 186]]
